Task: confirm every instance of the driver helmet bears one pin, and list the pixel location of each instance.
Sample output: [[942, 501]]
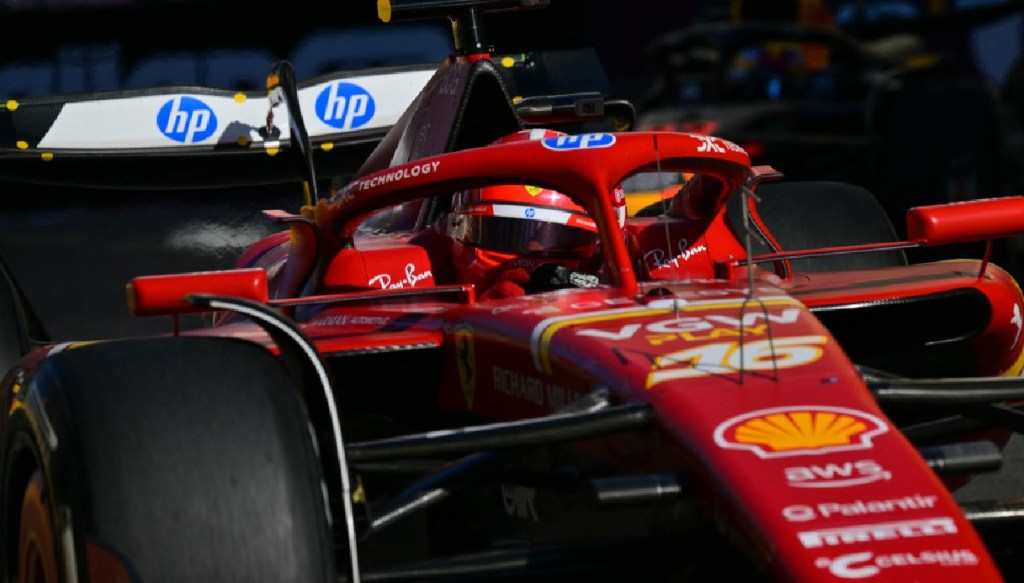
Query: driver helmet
[[498, 228]]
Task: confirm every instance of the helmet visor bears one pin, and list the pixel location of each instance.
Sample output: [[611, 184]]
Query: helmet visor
[[526, 230]]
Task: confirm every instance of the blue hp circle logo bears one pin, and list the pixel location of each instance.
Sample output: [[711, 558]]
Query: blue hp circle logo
[[186, 120], [530, 212], [581, 142], [345, 106]]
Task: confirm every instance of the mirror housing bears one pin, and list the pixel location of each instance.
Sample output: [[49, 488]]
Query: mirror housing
[[165, 295]]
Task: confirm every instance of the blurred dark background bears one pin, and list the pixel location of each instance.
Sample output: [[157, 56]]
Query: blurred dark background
[[71, 46]]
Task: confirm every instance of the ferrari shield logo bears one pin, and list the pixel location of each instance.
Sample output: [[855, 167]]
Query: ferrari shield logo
[[466, 360]]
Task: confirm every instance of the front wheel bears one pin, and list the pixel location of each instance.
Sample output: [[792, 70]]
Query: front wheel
[[171, 459], [37, 557]]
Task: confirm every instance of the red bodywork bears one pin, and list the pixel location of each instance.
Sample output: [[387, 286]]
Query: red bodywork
[[751, 392]]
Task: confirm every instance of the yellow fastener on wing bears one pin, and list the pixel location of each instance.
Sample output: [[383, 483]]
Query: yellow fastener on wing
[[12, 104]]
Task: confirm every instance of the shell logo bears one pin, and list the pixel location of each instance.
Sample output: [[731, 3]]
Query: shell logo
[[805, 430]]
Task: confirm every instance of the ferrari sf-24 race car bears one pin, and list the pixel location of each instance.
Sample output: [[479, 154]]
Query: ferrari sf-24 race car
[[744, 382]]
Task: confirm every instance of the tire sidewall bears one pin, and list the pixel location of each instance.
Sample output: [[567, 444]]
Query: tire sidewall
[[150, 447]]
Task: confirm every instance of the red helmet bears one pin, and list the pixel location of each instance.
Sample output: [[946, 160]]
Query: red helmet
[[498, 228]]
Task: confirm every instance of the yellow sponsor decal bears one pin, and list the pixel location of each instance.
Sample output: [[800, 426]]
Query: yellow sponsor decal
[[712, 334], [807, 430], [722, 358], [540, 339]]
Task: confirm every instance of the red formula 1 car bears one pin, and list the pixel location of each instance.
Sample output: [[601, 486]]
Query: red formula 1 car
[[750, 384]]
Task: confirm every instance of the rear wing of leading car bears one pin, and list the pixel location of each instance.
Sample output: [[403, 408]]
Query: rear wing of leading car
[[194, 136], [197, 137]]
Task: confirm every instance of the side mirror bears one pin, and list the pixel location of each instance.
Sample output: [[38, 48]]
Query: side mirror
[[974, 220], [164, 295]]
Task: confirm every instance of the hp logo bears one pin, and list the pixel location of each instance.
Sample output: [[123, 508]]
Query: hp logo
[[345, 106], [186, 120], [580, 142], [530, 212]]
